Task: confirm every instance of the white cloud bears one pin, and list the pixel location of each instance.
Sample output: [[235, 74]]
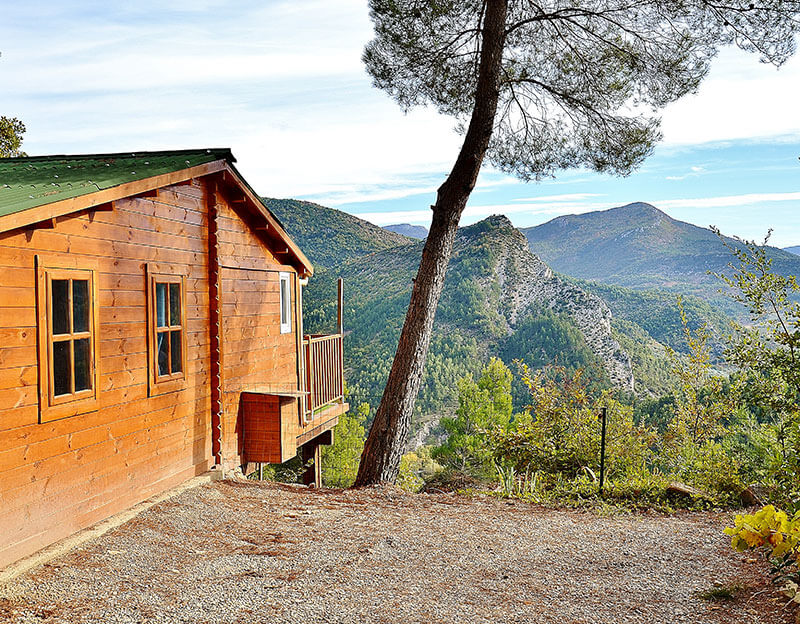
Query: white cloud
[[364, 193], [283, 85], [726, 201], [740, 99], [555, 198], [694, 171]]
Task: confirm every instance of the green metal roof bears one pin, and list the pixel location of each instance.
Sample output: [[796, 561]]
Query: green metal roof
[[28, 182]]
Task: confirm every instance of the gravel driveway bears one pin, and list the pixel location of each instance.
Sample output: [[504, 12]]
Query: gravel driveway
[[250, 552]]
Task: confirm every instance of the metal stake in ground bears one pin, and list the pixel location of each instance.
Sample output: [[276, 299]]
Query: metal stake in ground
[[602, 448]]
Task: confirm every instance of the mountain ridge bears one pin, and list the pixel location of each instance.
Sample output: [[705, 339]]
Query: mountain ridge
[[406, 229], [639, 246], [495, 288], [329, 236]]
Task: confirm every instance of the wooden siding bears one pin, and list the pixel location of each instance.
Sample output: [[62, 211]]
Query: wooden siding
[[61, 476], [64, 475], [257, 357]]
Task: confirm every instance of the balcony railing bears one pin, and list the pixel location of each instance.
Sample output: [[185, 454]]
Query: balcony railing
[[324, 371]]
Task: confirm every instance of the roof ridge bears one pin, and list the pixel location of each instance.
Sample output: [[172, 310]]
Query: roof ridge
[[224, 151]]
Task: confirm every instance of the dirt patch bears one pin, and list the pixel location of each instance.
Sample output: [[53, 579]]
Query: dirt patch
[[272, 553]]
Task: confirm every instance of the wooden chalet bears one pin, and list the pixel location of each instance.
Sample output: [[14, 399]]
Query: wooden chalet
[[151, 330]]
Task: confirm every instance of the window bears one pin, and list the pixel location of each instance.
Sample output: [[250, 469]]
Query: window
[[286, 304], [67, 328], [167, 332]]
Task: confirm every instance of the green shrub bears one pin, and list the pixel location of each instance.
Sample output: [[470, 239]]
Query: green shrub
[[416, 468], [559, 433], [340, 460]]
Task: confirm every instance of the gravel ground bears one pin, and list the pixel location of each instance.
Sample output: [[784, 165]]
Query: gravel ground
[[250, 552]]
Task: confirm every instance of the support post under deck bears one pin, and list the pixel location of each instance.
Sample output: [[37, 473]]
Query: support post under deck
[[312, 452]]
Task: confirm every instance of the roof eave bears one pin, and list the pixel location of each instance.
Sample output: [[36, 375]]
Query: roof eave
[[307, 269], [71, 205]]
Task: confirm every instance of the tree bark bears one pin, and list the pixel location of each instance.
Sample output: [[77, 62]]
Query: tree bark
[[383, 449]]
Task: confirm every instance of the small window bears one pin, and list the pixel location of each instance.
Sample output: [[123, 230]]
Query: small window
[[67, 327], [167, 332], [286, 304]]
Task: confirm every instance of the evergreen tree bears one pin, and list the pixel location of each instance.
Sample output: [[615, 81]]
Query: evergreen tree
[[482, 406], [538, 87]]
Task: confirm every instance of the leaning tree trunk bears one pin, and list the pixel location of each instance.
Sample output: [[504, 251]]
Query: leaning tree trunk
[[380, 460]]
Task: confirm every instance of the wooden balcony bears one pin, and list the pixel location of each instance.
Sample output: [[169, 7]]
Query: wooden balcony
[[324, 374], [272, 431], [276, 421]]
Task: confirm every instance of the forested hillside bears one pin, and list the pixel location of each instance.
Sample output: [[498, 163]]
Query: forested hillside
[[499, 300], [488, 308], [329, 237], [656, 312]]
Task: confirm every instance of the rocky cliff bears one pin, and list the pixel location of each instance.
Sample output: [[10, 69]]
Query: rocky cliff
[[525, 283]]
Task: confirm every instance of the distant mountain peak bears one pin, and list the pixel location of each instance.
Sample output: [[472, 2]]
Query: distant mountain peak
[[639, 246], [634, 209], [493, 222], [499, 220], [640, 208], [407, 229]]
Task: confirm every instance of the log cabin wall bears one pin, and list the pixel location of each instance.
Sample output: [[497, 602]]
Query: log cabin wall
[[61, 476], [256, 355]]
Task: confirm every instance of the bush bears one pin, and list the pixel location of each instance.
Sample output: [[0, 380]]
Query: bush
[[340, 460], [691, 448], [450, 480], [558, 436], [416, 468], [778, 536], [633, 491]]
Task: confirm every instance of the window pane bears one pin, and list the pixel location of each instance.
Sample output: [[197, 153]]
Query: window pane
[[83, 379], [61, 368], [284, 302], [161, 305], [60, 293], [80, 305], [175, 343], [163, 353], [174, 304]]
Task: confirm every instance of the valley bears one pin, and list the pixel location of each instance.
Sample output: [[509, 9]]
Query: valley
[[596, 291]]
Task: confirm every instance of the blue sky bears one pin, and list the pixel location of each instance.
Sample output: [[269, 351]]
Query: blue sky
[[282, 84]]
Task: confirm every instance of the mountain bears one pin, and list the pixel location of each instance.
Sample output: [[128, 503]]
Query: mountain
[[499, 299], [329, 237], [639, 246], [406, 229], [794, 250]]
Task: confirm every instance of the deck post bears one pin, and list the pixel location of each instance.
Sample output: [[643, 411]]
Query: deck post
[[311, 452], [340, 331], [340, 302]]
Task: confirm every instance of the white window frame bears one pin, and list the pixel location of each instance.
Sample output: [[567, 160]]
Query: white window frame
[[286, 302]]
